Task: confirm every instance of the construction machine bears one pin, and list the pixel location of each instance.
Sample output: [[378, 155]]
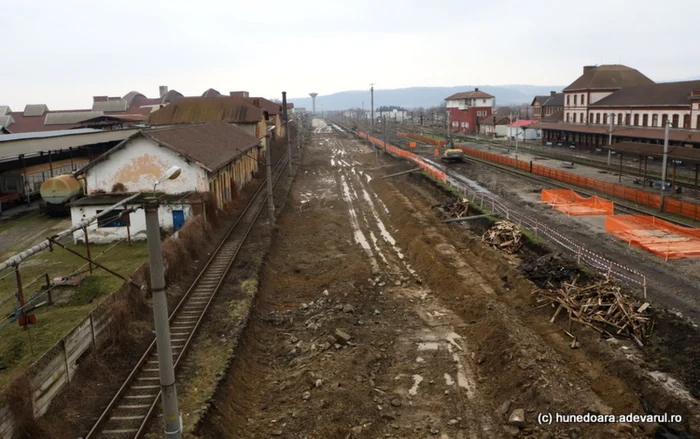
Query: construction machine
[[451, 154]]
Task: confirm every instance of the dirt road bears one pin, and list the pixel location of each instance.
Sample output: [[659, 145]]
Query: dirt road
[[373, 320]]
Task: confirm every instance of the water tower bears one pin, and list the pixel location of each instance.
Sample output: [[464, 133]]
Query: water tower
[[313, 102]]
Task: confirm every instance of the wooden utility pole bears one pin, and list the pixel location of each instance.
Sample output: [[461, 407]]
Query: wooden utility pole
[[371, 91]]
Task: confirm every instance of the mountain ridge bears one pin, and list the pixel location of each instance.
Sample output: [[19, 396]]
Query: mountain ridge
[[414, 97]]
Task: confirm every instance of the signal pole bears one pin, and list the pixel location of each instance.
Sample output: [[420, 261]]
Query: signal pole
[[371, 92], [285, 114]]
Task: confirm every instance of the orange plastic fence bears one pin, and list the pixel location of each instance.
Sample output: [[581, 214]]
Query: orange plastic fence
[[678, 207], [571, 203], [438, 174], [655, 235], [424, 139]]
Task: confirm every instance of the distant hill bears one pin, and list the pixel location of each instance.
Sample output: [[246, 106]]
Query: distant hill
[[413, 97]]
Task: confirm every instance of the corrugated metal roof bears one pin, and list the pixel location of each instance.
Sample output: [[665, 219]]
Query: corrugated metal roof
[[129, 97], [5, 109], [45, 134], [211, 93], [688, 136], [192, 110], [35, 110], [120, 105], [71, 117], [33, 143]]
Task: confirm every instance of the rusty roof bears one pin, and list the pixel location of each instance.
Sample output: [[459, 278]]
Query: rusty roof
[[613, 76], [194, 110], [656, 150], [272, 108]]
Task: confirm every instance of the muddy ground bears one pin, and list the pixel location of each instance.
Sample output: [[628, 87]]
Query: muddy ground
[[373, 319]]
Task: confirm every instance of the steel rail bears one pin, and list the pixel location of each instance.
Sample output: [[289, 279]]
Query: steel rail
[[127, 385]]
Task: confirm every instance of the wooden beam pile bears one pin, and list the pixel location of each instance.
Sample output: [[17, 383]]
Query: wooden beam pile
[[602, 307], [505, 236], [457, 208]]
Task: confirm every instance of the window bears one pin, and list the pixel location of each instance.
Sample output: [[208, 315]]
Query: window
[[605, 118], [674, 124], [583, 100], [655, 120], [628, 118], [567, 117], [619, 118], [664, 118], [645, 120], [636, 120], [483, 101], [574, 120], [583, 119], [115, 218], [575, 100], [697, 123], [568, 102]]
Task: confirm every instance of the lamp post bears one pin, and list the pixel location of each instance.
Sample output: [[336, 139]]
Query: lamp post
[[171, 416], [663, 164], [612, 116]]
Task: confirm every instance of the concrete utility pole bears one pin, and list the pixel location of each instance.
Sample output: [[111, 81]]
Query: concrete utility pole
[[171, 416], [286, 130], [517, 119], [663, 164], [270, 201], [371, 93], [612, 116]]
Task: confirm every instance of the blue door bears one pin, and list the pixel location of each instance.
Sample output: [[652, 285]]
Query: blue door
[[178, 219]]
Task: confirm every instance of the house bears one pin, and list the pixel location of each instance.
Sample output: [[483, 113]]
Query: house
[[234, 110], [395, 115], [494, 125], [522, 130], [549, 107], [214, 157], [619, 100], [466, 110], [272, 111]]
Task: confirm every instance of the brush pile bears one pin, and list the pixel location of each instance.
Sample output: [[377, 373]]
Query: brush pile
[[550, 269], [457, 208], [505, 236], [601, 306]]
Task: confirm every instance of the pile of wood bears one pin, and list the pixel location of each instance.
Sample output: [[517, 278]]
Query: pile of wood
[[549, 269], [602, 307], [505, 236], [457, 208]]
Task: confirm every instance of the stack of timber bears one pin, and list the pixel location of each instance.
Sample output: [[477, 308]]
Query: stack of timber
[[457, 208], [505, 236], [601, 306]]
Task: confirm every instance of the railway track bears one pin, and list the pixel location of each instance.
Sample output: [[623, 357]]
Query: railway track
[[130, 410]]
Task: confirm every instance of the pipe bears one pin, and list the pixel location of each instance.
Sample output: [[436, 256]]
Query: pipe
[[469, 218]]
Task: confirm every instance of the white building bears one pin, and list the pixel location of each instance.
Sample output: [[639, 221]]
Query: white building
[[520, 130], [216, 157], [394, 115]]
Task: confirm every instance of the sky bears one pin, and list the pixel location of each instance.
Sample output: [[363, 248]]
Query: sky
[[64, 52]]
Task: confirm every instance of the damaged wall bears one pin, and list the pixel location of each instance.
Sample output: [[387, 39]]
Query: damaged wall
[[139, 164], [168, 214]]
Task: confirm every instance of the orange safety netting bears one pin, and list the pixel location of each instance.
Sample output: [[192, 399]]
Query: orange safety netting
[[655, 235], [424, 139], [687, 209], [571, 203]]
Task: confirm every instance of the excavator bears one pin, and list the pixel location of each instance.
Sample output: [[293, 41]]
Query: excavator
[[450, 153]]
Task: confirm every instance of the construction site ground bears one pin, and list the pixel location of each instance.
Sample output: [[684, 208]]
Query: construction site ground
[[373, 319]]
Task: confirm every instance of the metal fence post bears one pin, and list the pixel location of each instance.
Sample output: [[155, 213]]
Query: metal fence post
[[578, 257], [644, 284]]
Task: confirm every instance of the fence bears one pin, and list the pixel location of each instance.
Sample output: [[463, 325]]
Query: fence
[[603, 265], [683, 208], [424, 139], [571, 203], [655, 235]]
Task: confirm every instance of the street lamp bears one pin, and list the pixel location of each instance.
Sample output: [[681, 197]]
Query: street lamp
[[166, 369]]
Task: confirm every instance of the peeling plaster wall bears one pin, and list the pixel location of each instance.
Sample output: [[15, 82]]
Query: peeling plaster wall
[[105, 235], [139, 164]]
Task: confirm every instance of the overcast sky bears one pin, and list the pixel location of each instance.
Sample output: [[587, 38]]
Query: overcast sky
[[63, 52]]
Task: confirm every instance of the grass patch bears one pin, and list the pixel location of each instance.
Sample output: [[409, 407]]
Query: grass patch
[[73, 304]]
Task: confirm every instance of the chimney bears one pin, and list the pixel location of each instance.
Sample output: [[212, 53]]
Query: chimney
[[586, 69], [476, 88], [552, 93], [239, 94], [163, 89]]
